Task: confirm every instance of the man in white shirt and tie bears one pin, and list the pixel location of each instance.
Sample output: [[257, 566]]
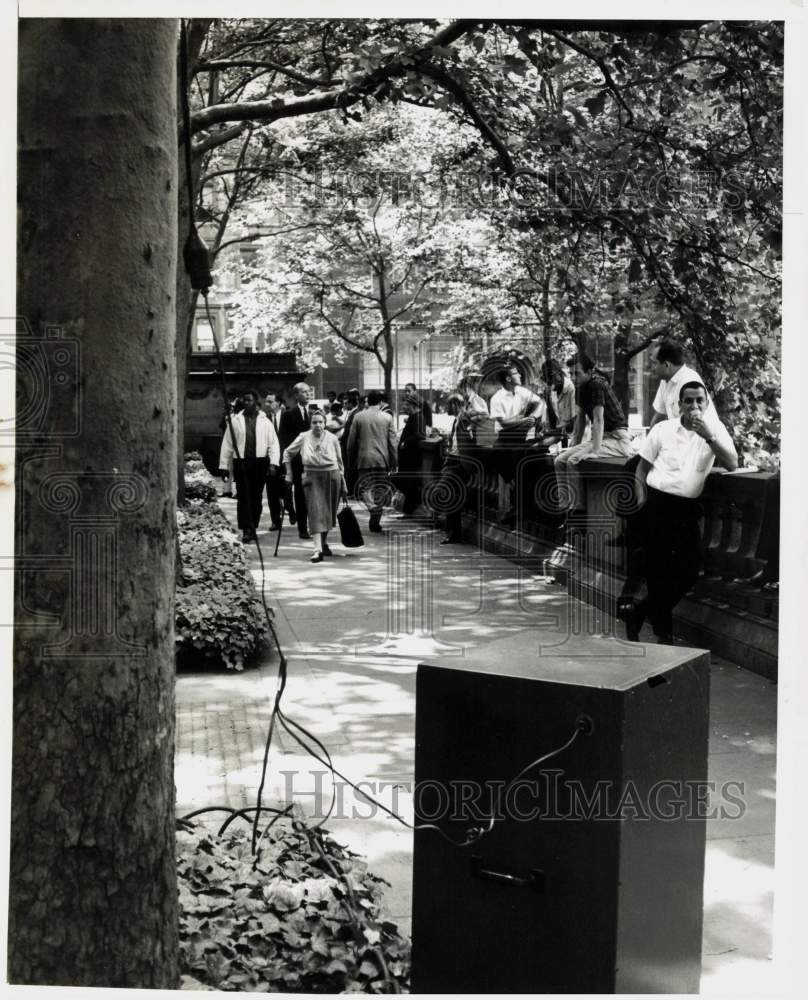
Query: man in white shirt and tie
[[675, 460], [272, 408]]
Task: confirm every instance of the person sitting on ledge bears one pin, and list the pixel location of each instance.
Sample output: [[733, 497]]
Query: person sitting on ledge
[[596, 403], [675, 460]]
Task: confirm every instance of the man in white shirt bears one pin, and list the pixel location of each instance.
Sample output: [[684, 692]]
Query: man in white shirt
[[675, 460], [273, 408], [560, 398], [673, 373], [251, 442], [517, 413]]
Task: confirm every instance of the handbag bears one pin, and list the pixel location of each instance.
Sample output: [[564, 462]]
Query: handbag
[[349, 531]]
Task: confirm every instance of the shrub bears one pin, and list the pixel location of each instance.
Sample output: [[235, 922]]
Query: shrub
[[287, 922], [218, 613], [199, 483]]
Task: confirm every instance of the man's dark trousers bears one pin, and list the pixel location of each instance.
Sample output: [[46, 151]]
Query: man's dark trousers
[[292, 423], [672, 543], [275, 484], [456, 477], [374, 490], [250, 475]]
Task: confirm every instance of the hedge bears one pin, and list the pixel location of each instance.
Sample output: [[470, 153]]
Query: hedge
[[301, 917], [218, 613]]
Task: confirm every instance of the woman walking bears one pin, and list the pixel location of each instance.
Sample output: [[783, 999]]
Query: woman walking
[[323, 479]]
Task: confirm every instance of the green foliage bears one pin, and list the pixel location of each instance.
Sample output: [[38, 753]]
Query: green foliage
[[218, 614], [291, 920], [639, 176]]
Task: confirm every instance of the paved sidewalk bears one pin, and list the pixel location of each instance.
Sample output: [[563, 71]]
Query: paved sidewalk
[[353, 635]]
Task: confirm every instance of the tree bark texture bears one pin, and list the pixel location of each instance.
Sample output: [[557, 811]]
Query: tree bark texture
[[92, 880]]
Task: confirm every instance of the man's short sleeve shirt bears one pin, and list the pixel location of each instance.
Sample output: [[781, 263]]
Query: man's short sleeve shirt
[[666, 400], [515, 404], [596, 391], [681, 459]]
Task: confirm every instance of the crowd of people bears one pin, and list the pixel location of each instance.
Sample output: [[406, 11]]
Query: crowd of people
[[307, 457]]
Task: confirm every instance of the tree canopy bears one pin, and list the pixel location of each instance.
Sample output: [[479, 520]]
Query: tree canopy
[[627, 175]]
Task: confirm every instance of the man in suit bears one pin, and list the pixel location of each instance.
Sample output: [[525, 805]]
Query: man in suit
[[352, 401], [410, 390], [413, 434], [372, 452], [273, 410], [294, 420]]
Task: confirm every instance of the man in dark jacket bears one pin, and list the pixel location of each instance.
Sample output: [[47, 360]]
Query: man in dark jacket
[[294, 420], [426, 409], [409, 479], [372, 454]]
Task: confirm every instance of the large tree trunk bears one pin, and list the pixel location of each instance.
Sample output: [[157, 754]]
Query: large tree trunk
[[93, 897]]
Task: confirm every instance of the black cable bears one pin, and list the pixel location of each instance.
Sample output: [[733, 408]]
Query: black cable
[[580, 727], [196, 263], [234, 814], [315, 840], [281, 813], [474, 834]]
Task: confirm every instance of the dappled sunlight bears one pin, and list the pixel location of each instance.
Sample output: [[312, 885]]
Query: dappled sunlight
[[351, 682], [193, 777], [357, 697], [737, 915], [733, 876], [382, 664]]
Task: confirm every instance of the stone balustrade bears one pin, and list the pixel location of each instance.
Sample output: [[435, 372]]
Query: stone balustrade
[[733, 607]]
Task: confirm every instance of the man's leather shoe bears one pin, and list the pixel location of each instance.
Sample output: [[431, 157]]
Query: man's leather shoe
[[303, 534], [274, 527], [634, 619], [327, 550], [292, 517], [633, 613], [317, 557]]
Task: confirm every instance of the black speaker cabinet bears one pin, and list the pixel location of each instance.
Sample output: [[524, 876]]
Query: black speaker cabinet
[[592, 880]]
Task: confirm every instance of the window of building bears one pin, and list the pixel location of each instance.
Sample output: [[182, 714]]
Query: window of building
[[203, 340]]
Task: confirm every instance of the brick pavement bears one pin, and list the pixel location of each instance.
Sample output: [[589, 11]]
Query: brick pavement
[[347, 626]]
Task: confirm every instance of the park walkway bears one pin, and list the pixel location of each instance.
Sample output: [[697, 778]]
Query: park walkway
[[353, 638]]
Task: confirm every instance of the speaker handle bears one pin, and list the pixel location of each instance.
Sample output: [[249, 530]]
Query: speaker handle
[[534, 880]]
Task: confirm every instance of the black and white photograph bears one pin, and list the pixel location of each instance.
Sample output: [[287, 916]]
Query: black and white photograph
[[402, 452]]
